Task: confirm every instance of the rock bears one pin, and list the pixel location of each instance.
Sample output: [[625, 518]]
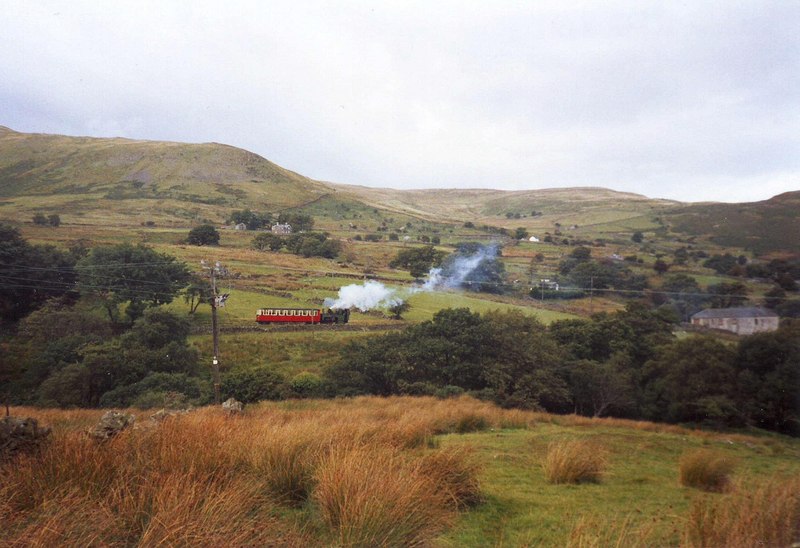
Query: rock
[[111, 424], [163, 414], [232, 406], [20, 435]]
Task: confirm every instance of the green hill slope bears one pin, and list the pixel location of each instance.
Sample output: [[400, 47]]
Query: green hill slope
[[771, 226], [81, 175]]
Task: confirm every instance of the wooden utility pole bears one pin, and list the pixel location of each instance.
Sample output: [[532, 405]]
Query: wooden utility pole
[[215, 337], [216, 301]]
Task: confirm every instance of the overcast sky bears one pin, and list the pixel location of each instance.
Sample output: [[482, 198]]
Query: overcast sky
[[684, 100]]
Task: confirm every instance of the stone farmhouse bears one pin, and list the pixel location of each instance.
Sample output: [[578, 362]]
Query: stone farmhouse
[[281, 228], [742, 321]]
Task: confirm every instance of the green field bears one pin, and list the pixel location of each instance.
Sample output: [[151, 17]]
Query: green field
[[639, 502]]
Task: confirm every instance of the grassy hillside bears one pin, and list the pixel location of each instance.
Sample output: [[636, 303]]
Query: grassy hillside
[[768, 227], [391, 472], [138, 180]]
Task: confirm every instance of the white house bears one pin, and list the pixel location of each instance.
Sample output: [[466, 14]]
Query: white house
[[742, 321], [281, 228], [533, 239]]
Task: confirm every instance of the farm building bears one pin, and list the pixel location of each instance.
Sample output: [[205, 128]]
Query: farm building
[[240, 226], [282, 228], [742, 321]]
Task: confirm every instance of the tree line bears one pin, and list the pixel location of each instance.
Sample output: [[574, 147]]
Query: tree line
[[627, 364]]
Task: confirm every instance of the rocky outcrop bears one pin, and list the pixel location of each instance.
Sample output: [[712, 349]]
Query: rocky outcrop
[[20, 435], [232, 406], [111, 424]]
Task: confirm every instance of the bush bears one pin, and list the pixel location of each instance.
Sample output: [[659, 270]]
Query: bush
[[203, 235], [307, 385], [253, 385], [707, 470], [574, 462]]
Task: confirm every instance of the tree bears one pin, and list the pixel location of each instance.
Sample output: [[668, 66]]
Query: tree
[[137, 275], [300, 222], [769, 378], [660, 267], [197, 292], [692, 380], [30, 274], [418, 260], [599, 388], [40, 219], [53, 220], [398, 309], [727, 295], [521, 233], [637, 237], [251, 219], [267, 240], [203, 235]]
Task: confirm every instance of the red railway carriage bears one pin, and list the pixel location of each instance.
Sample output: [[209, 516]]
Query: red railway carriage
[[283, 315]]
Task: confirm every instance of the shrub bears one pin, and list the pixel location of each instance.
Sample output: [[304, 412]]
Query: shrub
[[307, 385], [253, 385], [707, 470], [768, 515], [574, 462], [203, 235]]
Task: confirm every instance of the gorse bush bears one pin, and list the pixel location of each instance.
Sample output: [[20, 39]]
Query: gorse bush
[[574, 462], [707, 470]]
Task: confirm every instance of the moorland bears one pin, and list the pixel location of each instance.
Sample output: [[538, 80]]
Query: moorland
[[437, 415]]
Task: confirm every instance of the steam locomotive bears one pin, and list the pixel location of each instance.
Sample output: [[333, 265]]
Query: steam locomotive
[[302, 315]]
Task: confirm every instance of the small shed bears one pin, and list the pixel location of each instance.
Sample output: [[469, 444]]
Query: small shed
[[240, 226], [742, 320], [533, 239]]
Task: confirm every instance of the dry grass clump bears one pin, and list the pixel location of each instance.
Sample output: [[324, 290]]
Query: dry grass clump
[[455, 473], [574, 462], [768, 515], [359, 472], [707, 470], [596, 532], [374, 497]]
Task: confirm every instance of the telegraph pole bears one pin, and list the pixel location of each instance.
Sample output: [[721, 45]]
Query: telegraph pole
[[216, 301], [215, 336]]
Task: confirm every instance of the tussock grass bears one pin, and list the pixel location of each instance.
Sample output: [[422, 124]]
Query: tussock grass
[[706, 469], [360, 472], [574, 462], [455, 472], [768, 515], [594, 532], [371, 496]]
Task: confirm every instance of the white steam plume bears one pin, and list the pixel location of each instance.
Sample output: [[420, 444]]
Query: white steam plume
[[369, 295], [372, 294]]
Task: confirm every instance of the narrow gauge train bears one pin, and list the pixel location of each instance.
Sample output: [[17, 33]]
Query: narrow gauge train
[[302, 315]]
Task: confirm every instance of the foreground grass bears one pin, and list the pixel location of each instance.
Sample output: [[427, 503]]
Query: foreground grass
[[388, 472]]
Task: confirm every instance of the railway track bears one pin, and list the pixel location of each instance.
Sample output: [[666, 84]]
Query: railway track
[[288, 328]]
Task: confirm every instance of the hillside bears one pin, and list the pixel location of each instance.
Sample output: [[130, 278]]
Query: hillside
[[81, 175], [56, 173], [770, 226], [123, 183]]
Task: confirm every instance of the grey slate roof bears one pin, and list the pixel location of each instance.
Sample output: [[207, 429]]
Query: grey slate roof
[[744, 312]]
